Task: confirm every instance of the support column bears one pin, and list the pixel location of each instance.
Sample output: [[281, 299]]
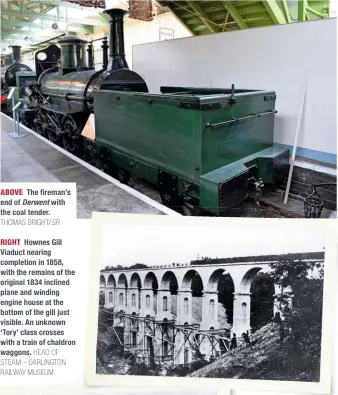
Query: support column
[[182, 352], [147, 304], [241, 322], [121, 306], [209, 311], [103, 289], [161, 312], [109, 303], [126, 301], [133, 308], [106, 295], [184, 308], [209, 319]]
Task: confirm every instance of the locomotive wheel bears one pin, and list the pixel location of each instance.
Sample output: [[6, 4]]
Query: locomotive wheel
[[190, 210], [69, 139], [38, 124], [52, 136], [123, 176], [252, 209], [98, 164], [24, 121], [171, 201], [49, 127]]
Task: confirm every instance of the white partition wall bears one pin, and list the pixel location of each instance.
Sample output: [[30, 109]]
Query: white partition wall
[[279, 58]]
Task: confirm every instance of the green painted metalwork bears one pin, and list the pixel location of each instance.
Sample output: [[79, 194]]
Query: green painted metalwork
[[274, 11], [286, 11], [235, 15], [228, 15], [201, 14], [203, 139], [302, 10], [227, 178], [229, 142]]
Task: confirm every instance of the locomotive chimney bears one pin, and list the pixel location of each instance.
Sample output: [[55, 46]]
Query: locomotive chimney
[[16, 49], [117, 58], [104, 47], [90, 56]]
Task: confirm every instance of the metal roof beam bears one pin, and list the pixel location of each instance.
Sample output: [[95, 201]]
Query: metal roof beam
[[317, 13], [286, 11], [302, 10], [174, 12], [21, 34], [59, 3], [19, 37], [274, 11], [202, 15], [235, 15], [47, 24], [55, 18]]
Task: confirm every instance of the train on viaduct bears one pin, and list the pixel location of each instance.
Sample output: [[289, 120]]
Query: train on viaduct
[[172, 312]]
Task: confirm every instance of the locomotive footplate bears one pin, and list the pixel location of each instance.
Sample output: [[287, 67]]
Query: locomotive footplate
[[223, 189]]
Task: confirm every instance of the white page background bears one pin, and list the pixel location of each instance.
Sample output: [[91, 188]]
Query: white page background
[[69, 380]]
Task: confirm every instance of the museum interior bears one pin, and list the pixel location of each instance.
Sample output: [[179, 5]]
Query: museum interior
[[221, 108]]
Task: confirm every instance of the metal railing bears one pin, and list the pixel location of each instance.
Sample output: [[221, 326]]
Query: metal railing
[[15, 108]]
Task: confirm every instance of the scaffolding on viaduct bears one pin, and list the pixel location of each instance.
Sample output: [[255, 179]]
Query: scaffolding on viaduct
[[163, 319]]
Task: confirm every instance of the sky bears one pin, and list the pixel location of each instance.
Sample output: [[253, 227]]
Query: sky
[[163, 245]]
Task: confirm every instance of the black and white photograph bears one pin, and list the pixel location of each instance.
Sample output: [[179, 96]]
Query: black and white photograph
[[192, 299]]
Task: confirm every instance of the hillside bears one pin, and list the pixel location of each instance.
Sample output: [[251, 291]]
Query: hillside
[[265, 359]]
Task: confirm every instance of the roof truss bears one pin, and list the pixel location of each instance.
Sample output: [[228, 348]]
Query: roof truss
[[22, 18], [214, 16]]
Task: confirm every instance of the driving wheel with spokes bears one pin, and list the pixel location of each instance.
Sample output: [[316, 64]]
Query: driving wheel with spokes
[[38, 122], [71, 135], [123, 176]]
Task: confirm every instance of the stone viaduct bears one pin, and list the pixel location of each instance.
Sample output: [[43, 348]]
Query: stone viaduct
[[164, 293]]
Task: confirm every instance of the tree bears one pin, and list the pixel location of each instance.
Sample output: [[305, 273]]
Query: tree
[[301, 303], [288, 274], [138, 266]]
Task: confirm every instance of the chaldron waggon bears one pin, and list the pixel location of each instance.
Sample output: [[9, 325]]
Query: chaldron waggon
[[205, 150]]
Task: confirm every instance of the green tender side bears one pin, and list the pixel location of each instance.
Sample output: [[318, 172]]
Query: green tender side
[[147, 132], [211, 183], [191, 135]]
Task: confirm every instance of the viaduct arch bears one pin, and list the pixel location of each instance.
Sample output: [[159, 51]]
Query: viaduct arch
[[187, 296]]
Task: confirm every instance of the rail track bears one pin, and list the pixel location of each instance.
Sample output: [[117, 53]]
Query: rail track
[[266, 208]]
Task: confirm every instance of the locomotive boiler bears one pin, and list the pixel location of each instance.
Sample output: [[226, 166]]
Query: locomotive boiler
[[9, 74], [63, 96], [204, 149]]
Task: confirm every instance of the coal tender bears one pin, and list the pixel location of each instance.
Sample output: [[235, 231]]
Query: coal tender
[[204, 149]]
